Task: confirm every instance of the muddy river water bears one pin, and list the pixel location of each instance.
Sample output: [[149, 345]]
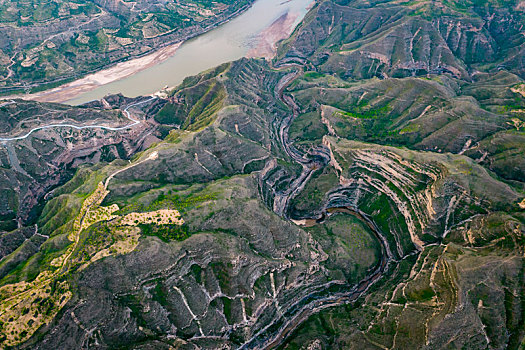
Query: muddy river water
[[235, 39]]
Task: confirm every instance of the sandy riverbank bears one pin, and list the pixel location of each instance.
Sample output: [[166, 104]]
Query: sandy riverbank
[[267, 40], [280, 29], [94, 85], [90, 82]]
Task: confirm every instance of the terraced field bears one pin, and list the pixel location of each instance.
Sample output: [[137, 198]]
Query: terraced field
[[362, 190], [46, 44]]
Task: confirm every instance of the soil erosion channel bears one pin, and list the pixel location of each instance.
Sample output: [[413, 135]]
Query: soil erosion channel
[[316, 301]]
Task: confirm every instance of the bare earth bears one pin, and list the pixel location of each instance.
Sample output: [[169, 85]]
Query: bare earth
[[266, 47], [120, 70], [278, 30]]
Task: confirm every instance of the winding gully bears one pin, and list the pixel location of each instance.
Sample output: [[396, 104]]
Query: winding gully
[[315, 301], [314, 159]]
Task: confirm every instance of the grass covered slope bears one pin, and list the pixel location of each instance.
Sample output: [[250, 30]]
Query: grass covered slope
[[209, 175], [301, 206], [358, 39], [438, 114], [36, 158], [467, 280]]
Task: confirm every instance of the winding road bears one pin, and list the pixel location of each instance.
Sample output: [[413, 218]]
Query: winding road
[[126, 112]]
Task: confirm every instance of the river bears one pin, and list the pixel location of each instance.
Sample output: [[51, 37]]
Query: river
[[228, 42]]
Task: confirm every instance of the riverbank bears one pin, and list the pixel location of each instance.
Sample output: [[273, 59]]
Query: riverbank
[[254, 33], [119, 71], [268, 38], [279, 30]]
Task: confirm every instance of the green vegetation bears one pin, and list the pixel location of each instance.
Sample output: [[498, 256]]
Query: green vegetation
[[166, 232], [314, 194], [166, 200], [193, 106], [351, 246], [98, 35], [392, 215], [308, 128]]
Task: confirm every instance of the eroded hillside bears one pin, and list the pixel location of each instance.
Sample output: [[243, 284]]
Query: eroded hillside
[[332, 198]]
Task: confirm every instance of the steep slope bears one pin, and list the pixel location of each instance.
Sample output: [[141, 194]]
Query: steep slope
[[43, 145], [360, 39], [295, 205]]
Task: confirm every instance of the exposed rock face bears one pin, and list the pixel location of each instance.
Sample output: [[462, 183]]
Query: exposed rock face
[[365, 40], [323, 204]]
